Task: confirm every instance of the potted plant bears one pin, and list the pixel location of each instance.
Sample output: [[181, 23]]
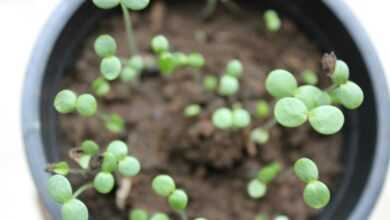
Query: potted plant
[[209, 130]]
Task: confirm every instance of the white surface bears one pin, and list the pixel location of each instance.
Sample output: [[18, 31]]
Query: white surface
[[20, 22]]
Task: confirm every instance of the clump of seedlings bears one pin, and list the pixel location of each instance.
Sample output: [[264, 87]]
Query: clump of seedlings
[[292, 106]]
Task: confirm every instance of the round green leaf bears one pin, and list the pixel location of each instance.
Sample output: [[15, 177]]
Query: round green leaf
[[118, 148], [163, 185], [129, 74], [65, 101], [90, 147], [269, 172], [105, 46], [101, 87], [115, 123], [104, 182], [272, 20], [223, 118], [129, 166], [192, 110], [109, 162], [196, 60], [210, 83], [241, 118], [290, 112], [137, 63], [316, 194], [160, 44], [341, 73], [86, 105], [138, 214], [281, 217], [228, 85], [350, 95], [256, 189], [326, 119], [106, 4], [61, 168], [234, 68], [59, 189], [160, 216], [309, 77], [180, 58], [84, 161], [310, 95], [167, 63], [259, 136], [178, 200], [306, 170], [262, 109], [111, 67], [281, 83], [136, 5], [74, 210]]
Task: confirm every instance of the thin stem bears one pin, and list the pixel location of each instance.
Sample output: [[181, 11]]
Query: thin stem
[[210, 8], [133, 50], [82, 189], [269, 124], [183, 215]]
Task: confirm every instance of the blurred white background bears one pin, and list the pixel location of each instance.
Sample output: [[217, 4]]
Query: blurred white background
[[21, 21]]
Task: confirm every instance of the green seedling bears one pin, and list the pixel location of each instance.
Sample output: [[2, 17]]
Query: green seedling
[[281, 83], [89, 149], [138, 214], [160, 44], [309, 77], [192, 110], [316, 193], [257, 187], [165, 186], [234, 68], [105, 46], [262, 109], [159, 216], [67, 101], [61, 168], [272, 21], [228, 85], [101, 87], [259, 136], [114, 123], [281, 217], [210, 83]]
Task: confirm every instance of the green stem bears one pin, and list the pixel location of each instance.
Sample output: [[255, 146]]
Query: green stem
[[210, 8], [82, 189], [133, 50], [183, 215], [269, 124]]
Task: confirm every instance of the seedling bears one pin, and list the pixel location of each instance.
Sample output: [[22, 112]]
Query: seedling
[[309, 77], [228, 85], [67, 101], [294, 105], [272, 21], [192, 110], [257, 187], [210, 83], [316, 193], [113, 122], [138, 214], [165, 186], [262, 109]]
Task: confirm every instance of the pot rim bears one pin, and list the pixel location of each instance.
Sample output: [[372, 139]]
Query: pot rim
[[31, 120]]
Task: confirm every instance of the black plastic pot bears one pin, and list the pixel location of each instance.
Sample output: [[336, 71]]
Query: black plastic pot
[[329, 23]]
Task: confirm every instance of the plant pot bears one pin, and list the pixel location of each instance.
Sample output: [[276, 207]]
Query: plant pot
[[328, 23]]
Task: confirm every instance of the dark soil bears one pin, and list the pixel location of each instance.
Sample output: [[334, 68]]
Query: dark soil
[[213, 166]]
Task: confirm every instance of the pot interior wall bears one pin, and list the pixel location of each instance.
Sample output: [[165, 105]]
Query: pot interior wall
[[317, 22]]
